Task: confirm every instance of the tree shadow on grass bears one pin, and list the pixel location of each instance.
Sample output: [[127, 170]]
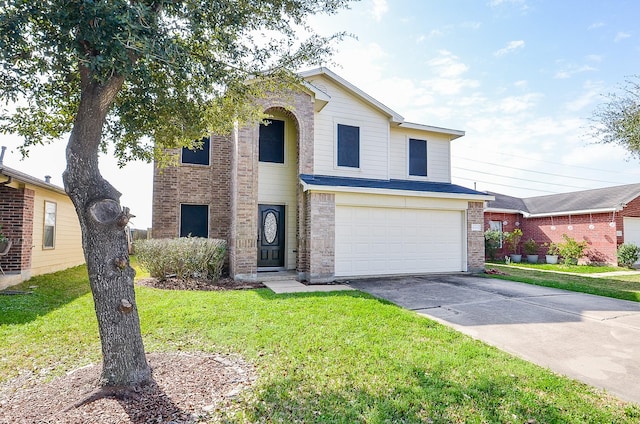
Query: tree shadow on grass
[[47, 293], [428, 396]]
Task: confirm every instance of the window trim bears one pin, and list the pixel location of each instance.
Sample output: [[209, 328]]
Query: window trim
[[338, 123], [408, 145], [182, 162], [45, 226], [208, 218]]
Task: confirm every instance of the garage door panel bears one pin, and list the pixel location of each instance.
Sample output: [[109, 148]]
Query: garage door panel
[[396, 241]]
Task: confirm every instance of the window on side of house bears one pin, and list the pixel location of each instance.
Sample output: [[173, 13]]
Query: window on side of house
[[271, 142], [49, 232], [194, 220], [417, 157], [496, 226], [348, 146], [197, 156]]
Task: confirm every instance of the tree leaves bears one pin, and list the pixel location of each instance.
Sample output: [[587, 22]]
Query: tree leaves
[[185, 64]]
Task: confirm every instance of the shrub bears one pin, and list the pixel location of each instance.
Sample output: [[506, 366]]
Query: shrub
[[552, 248], [571, 250], [492, 240], [187, 257], [513, 239], [530, 247], [628, 254]]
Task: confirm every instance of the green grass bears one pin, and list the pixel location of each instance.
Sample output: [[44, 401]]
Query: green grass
[[339, 357], [625, 287], [577, 269]]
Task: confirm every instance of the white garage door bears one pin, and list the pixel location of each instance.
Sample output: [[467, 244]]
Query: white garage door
[[371, 241], [631, 230]]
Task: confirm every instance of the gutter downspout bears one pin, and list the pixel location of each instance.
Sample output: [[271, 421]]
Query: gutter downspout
[[4, 148]]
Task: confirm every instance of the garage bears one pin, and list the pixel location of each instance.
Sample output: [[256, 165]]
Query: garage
[[385, 240], [631, 230]]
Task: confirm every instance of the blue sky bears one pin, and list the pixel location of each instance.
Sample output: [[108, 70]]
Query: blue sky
[[521, 77]]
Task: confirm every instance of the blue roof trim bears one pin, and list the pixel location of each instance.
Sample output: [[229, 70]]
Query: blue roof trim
[[408, 185]]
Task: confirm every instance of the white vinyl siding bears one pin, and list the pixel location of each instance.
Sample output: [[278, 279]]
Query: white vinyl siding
[[631, 228], [345, 109], [438, 154], [277, 185]]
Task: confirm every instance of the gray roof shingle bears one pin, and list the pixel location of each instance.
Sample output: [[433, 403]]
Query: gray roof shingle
[[597, 199]]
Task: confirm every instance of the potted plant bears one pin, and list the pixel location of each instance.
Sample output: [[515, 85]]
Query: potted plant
[[492, 240], [531, 249], [513, 240], [552, 253]]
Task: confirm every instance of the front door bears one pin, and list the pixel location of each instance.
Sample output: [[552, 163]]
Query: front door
[[271, 236]]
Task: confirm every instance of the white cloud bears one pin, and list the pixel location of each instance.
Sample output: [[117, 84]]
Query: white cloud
[[521, 84], [621, 36], [594, 58], [596, 25], [570, 70], [511, 47], [380, 7], [591, 95], [496, 3], [517, 104]]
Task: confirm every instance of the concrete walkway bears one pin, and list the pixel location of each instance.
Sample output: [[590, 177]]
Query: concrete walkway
[[293, 286], [590, 338]]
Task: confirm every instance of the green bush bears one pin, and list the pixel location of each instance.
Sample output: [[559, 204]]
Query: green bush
[[571, 250], [492, 239], [187, 257], [628, 254]]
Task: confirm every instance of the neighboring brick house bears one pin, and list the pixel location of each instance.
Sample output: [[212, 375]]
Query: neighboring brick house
[[604, 218], [41, 222], [336, 185]]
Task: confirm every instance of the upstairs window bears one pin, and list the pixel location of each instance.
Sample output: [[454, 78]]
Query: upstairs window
[[49, 233], [197, 156], [194, 220], [417, 157], [348, 146], [271, 142]]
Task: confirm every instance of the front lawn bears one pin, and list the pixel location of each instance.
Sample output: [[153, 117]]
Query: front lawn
[[321, 357], [625, 287], [577, 269]]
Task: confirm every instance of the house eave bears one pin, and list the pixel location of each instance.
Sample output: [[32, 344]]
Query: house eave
[[18, 176], [453, 134], [574, 212], [392, 192]]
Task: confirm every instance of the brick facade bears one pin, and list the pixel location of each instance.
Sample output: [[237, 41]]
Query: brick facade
[[16, 218], [594, 229], [320, 223], [475, 239]]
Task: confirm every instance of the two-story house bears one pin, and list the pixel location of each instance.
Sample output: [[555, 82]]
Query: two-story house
[[335, 185]]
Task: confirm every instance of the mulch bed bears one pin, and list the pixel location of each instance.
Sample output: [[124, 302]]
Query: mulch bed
[[187, 387], [198, 284]]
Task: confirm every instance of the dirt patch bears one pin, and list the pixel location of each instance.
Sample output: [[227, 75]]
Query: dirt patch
[[187, 388], [198, 284]]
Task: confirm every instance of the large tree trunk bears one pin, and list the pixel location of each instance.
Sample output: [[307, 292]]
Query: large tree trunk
[[105, 246]]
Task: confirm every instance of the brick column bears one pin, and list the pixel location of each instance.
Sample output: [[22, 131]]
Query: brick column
[[321, 237], [475, 239], [16, 217], [243, 247]]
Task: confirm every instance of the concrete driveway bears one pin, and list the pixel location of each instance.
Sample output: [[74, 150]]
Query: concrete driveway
[[590, 338]]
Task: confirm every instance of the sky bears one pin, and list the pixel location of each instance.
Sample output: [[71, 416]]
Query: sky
[[522, 78]]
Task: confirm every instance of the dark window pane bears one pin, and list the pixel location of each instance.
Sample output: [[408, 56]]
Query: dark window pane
[[194, 220], [417, 157], [198, 156], [272, 142], [348, 146]]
